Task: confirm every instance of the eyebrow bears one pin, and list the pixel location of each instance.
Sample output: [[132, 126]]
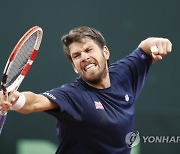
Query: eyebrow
[[87, 48]]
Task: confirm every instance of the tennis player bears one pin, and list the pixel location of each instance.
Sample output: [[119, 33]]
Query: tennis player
[[96, 111]]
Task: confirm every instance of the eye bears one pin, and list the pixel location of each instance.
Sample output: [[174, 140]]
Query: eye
[[75, 56], [88, 50]]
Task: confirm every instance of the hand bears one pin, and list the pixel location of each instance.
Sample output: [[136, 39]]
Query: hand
[[156, 47], [6, 104]]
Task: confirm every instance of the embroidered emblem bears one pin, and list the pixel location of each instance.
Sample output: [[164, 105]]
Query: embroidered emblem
[[126, 98]]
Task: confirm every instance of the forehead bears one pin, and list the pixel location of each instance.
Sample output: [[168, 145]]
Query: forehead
[[80, 46]]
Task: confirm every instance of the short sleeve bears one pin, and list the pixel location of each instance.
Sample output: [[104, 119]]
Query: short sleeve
[[70, 106]]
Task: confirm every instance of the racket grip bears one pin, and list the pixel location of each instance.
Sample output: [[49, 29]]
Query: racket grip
[[2, 120]]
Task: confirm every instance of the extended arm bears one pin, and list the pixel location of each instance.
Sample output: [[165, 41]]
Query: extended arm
[[33, 102]]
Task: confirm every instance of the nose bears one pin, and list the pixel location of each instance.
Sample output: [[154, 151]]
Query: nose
[[84, 56]]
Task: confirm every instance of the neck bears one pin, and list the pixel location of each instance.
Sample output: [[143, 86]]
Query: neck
[[104, 83]]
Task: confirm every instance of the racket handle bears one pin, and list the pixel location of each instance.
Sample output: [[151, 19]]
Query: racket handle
[[2, 120]]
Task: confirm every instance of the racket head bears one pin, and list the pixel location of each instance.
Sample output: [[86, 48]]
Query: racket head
[[21, 59]]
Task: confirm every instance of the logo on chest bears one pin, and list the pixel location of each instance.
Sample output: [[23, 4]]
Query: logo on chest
[[98, 105], [126, 98]]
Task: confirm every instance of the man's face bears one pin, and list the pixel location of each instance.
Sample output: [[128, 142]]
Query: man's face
[[89, 60]]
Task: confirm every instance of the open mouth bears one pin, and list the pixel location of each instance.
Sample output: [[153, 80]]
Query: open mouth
[[90, 67]]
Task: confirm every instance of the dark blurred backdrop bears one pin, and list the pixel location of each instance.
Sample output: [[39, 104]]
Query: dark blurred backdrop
[[124, 24]]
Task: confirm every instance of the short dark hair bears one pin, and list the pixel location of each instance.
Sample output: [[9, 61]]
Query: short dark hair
[[78, 34]]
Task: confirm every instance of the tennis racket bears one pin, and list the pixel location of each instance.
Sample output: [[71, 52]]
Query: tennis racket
[[19, 64]]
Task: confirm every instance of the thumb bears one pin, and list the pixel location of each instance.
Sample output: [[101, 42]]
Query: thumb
[[156, 57]]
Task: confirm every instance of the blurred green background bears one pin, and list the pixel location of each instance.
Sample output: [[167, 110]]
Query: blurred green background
[[124, 24]]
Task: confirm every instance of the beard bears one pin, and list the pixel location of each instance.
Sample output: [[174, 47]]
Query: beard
[[96, 77]]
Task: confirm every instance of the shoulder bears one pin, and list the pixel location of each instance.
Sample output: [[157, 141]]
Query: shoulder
[[134, 59], [66, 94], [76, 85], [137, 54], [71, 90], [136, 64]]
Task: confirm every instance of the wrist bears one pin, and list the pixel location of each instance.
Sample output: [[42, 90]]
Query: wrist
[[19, 103]]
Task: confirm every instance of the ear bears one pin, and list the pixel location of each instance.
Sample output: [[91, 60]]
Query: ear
[[106, 52], [75, 70]]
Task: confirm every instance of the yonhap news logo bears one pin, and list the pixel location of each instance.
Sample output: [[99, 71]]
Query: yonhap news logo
[[133, 139]]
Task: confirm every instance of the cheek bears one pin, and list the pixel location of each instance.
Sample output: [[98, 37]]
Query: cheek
[[102, 62], [76, 64]]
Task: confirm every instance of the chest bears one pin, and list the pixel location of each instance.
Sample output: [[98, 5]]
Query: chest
[[111, 110]]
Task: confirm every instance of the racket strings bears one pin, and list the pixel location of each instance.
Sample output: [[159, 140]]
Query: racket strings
[[21, 59]]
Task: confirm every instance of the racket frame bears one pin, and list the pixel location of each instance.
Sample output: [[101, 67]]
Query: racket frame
[[15, 85]]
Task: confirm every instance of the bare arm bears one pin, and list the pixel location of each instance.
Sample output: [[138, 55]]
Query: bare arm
[[36, 103], [33, 103]]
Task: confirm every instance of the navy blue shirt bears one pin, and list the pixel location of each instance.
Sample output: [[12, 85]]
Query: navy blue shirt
[[96, 121]]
